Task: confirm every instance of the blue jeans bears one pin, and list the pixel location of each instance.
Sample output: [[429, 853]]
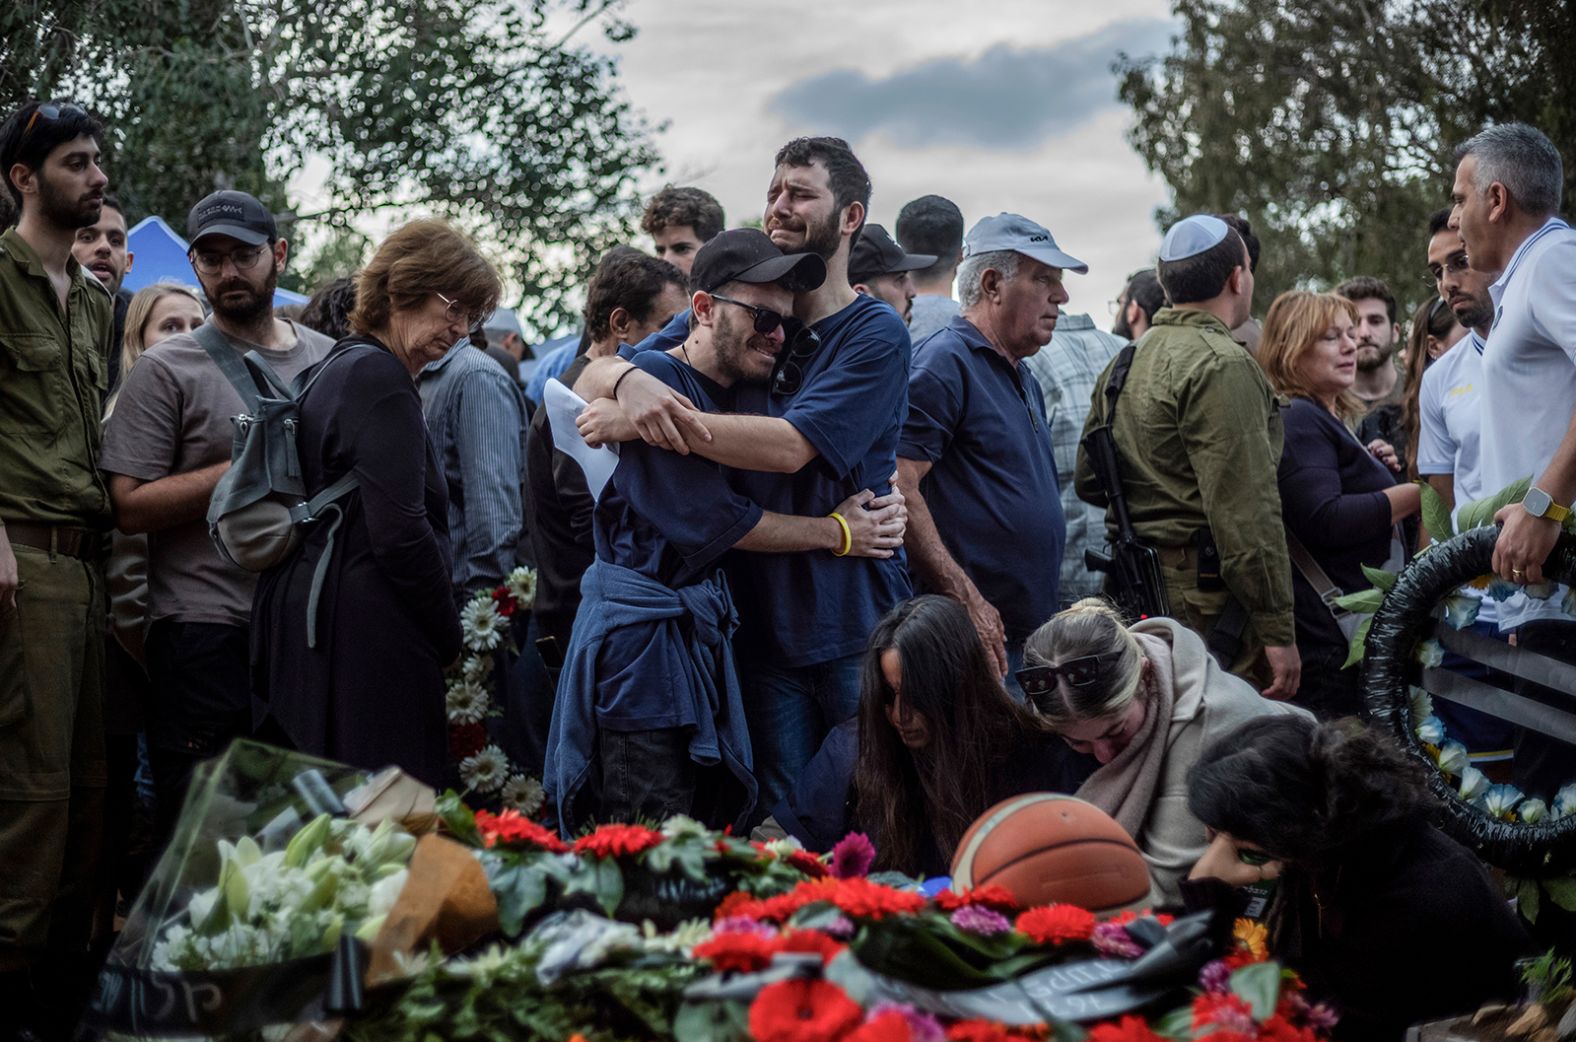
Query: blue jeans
[[790, 710], [1014, 663]]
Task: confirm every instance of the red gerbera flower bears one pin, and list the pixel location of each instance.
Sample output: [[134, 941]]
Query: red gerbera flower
[[990, 895], [617, 841], [731, 906], [810, 941], [1225, 1013], [807, 863], [466, 740], [1128, 1029], [504, 602], [802, 1011], [738, 952], [1279, 1029], [887, 1026], [984, 1031], [866, 900], [1056, 924], [511, 828]]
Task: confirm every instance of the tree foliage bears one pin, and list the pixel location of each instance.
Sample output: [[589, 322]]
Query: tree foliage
[[484, 111], [1331, 124]]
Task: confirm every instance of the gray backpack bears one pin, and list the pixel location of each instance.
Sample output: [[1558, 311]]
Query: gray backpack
[[260, 505]]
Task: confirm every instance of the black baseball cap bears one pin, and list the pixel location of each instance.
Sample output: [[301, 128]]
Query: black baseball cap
[[747, 255], [876, 254], [236, 214]]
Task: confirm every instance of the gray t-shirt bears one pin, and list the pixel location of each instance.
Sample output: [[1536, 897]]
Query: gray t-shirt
[[931, 312], [173, 416]]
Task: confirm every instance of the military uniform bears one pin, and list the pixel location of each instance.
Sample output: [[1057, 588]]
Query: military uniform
[[55, 508], [1198, 434]]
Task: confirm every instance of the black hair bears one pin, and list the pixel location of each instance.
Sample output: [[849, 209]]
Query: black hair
[[845, 173], [1438, 221], [931, 224], [112, 202], [1243, 227], [1307, 793], [328, 312], [1202, 276], [1366, 287], [676, 206], [626, 278], [30, 147], [904, 796], [1143, 289]]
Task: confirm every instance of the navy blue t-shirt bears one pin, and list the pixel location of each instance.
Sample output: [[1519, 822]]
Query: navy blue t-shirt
[[980, 420], [670, 517], [803, 609]]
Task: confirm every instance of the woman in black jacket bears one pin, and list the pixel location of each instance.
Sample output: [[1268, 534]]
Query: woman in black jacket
[[1385, 917], [1338, 499], [351, 667]]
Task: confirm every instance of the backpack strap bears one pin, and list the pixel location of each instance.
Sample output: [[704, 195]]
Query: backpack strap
[[230, 364]]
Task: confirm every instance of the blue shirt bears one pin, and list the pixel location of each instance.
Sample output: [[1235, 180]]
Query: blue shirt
[[807, 608], [980, 420], [669, 517], [560, 354]]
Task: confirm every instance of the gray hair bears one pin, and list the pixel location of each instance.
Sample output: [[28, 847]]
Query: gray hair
[[972, 270], [1522, 159]]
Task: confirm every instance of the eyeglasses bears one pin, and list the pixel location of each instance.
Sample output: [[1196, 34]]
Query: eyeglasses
[[51, 113], [212, 263], [802, 347], [766, 319], [455, 311], [1078, 672], [1455, 264]]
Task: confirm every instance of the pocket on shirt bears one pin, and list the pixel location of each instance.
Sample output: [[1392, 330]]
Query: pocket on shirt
[[31, 403]]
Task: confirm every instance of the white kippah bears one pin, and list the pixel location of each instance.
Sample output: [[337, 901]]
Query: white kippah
[[1191, 236]]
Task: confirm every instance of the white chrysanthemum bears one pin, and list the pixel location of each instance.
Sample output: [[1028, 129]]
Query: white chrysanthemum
[[1474, 783], [1422, 704], [781, 848], [1565, 801], [1532, 811], [486, 771], [521, 585], [680, 825], [1431, 653], [481, 624], [1430, 731], [1453, 759], [523, 793], [477, 668], [1500, 800], [466, 702]]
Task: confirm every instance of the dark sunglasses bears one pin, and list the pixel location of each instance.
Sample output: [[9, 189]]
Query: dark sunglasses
[[802, 346], [1079, 672], [766, 320], [50, 112]]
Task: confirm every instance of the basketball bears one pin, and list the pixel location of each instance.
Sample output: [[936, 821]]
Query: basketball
[[1046, 848]]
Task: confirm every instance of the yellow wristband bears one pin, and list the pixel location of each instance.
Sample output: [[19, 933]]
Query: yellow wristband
[[848, 537]]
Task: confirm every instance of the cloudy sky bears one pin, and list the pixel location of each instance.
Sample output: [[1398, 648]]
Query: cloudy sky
[[1007, 105]]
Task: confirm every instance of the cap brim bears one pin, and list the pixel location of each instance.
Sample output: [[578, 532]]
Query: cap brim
[[795, 272], [1056, 259], [247, 235]]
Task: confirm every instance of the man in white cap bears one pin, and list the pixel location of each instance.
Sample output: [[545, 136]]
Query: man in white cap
[[975, 461], [1198, 436]]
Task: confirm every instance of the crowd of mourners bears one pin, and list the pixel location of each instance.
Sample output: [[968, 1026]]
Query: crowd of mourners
[[813, 533]]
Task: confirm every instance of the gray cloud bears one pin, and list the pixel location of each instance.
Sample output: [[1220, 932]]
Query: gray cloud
[[1008, 97]]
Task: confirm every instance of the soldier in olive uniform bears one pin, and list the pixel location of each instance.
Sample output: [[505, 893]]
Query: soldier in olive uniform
[[1198, 434], [55, 330]]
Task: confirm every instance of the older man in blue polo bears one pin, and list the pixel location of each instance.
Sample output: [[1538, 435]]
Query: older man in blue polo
[[985, 518]]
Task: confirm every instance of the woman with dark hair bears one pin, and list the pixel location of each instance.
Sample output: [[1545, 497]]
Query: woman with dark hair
[[352, 632], [1382, 914], [937, 742]]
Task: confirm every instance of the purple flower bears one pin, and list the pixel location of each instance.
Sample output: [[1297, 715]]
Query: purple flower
[[981, 920], [1315, 1015], [839, 926], [1113, 940], [853, 856], [922, 1027], [744, 924], [1215, 977]]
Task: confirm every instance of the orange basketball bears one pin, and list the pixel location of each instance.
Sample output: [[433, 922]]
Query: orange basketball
[[1047, 849]]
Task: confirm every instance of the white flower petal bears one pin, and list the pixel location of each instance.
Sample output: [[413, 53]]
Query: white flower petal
[[486, 771], [1474, 783], [523, 793], [1430, 653], [1453, 759], [1431, 730]]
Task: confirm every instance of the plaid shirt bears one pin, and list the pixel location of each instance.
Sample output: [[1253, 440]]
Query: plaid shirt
[[1067, 369]]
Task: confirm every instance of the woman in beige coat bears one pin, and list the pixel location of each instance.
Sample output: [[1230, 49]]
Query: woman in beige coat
[[1144, 701]]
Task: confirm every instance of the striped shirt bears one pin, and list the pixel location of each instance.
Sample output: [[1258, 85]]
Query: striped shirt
[[477, 419]]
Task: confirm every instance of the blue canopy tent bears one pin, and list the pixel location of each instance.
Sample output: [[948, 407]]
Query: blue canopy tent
[[160, 256]]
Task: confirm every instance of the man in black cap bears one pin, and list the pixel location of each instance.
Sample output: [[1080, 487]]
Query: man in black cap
[[648, 720], [165, 447], [880, 268]]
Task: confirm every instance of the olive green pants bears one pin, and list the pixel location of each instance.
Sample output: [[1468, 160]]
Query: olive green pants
[[1199, 610], [52, 762]]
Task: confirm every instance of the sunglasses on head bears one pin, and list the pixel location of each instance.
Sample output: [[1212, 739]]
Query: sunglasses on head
[[766, 320], [1078, 672], [49, 112]]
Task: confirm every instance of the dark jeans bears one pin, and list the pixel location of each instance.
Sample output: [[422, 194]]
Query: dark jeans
[[790, 711], [201, 700], [643, 775], [528, 687]]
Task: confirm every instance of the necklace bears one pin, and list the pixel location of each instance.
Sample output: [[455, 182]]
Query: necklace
[[685, 348]]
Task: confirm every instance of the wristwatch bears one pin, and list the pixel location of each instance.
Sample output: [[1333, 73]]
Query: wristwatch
[[1539, 503]]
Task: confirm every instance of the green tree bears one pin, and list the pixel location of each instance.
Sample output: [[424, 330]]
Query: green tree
[[1331, 124], [484, 111]]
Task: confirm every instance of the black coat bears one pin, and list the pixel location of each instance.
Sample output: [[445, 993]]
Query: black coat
[[370, 693]]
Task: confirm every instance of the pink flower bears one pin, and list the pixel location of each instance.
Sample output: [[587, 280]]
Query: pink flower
[[981, 920], [839, 926], [852, 856], [1215, 977], [1113, 940], [743, 924], [922, 1026]]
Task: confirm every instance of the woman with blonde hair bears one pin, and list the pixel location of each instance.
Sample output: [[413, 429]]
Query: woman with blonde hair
[[1144, 701], [1340, 503], [156, 313], [348, 659]]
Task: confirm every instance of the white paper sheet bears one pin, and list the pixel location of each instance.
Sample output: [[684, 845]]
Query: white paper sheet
[[563, 407]]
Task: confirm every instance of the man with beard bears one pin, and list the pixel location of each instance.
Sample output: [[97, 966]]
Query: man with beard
[[55, 322], [880, 268], [830, 417], [165, 448], [101, 248], [648, 720], [1378, 382], [1136, 307]]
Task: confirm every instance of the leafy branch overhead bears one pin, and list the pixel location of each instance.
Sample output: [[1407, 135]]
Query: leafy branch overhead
[[486, 111]]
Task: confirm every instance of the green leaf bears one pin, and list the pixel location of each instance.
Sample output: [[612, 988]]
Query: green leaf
[[1178, 1024], [1481, 512], [458, 819], [1259, 985], [520, 890], [1383, 581], [1562, 891], [1355, 653], [712, 1022], [1436, 515], [1528, 900], [1364, 602], [609, 885]]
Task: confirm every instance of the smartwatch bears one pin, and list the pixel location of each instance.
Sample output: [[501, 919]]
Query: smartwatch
[[1539, 503]]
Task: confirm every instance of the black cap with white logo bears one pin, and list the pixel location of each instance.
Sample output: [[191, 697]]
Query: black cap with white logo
[[748, 255], [235, 214]]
